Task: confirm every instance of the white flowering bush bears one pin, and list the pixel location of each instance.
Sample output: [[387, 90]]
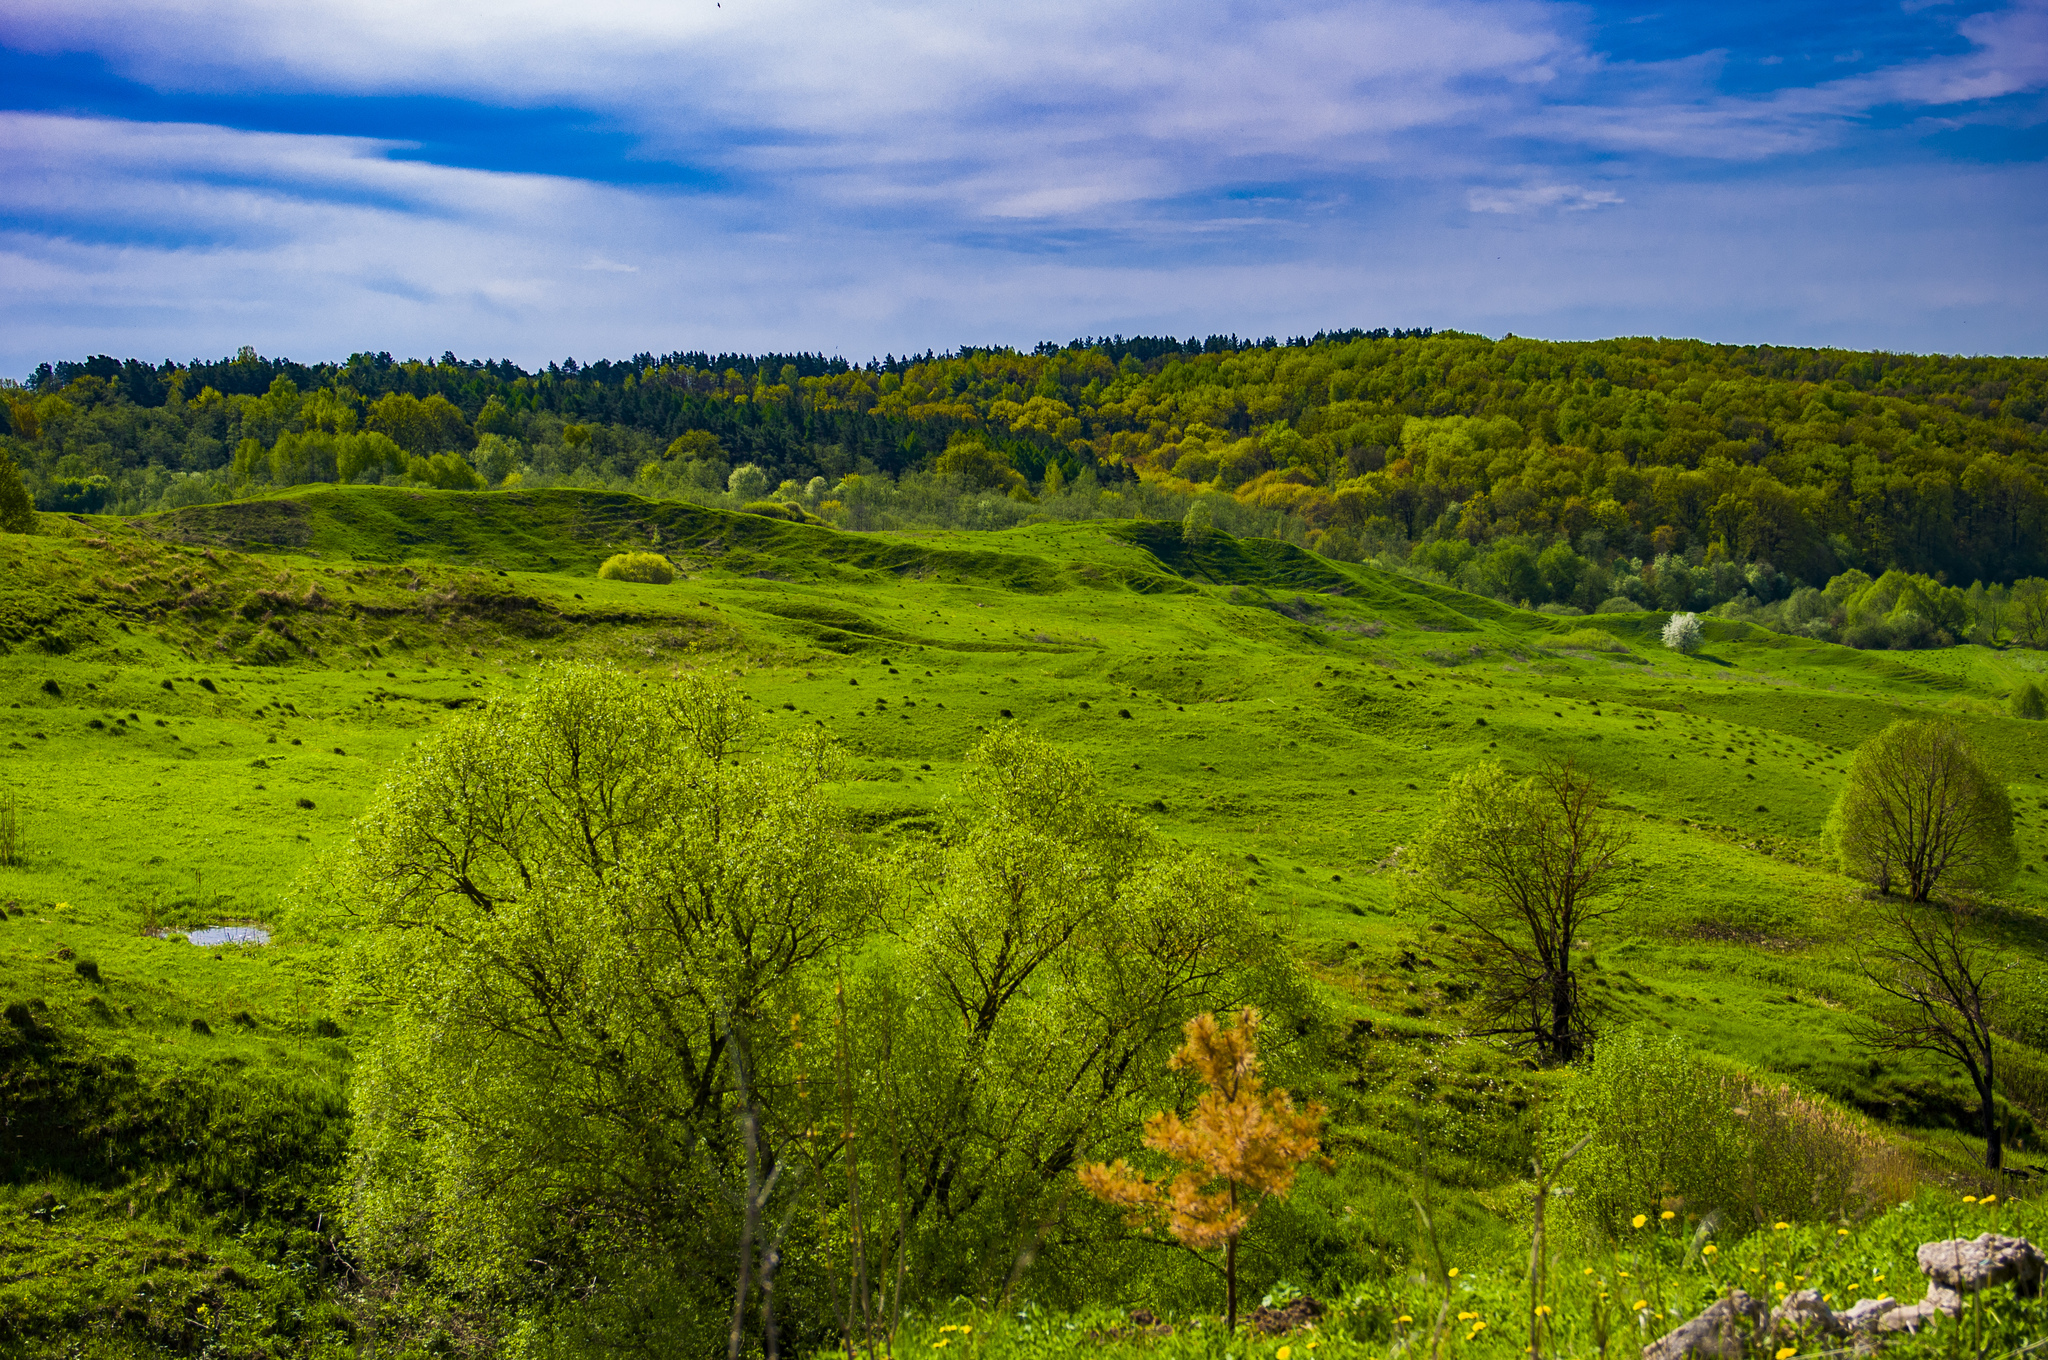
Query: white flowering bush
[[1682, 633]]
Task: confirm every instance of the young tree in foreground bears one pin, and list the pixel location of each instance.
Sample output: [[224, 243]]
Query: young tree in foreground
[[588, 914], [1242, 1144], [1938, 987], [1525, 865], [1920, 811]]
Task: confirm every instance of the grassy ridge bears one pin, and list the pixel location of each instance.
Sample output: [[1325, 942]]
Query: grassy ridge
[[177, 690]]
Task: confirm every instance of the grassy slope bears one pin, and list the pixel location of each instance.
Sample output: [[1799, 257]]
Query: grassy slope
[[1295, 715]]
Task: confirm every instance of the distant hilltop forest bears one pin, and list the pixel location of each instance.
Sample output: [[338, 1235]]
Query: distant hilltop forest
[[1783, 484]]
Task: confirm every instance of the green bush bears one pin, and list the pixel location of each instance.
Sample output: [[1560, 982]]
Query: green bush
[[1672, 1131], [1589, 639], [645, 567], [2028, 702], [774, 510]]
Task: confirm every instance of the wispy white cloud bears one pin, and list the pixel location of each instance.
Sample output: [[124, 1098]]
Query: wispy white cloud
[[1532, 198]]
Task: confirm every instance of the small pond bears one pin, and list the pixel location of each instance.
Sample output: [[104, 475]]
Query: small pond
[[214, 935]]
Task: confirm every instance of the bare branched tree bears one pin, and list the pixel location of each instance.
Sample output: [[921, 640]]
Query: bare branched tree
[[1939, 998], [1920, 812], [1526, 865]]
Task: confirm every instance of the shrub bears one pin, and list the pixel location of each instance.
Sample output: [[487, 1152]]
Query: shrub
[[2028, 702], [774, 510], [1589, 639], [645, 567], [1668, 1126], [1619, 604], [1682, 633], [748, 482]]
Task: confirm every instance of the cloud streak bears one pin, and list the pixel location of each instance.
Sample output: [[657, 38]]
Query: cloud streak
[[888, 176]]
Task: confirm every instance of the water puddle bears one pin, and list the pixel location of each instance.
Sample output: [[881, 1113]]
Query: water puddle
[[214, 935]]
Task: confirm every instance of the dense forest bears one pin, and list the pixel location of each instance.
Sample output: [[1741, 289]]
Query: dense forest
[[1785, 483]]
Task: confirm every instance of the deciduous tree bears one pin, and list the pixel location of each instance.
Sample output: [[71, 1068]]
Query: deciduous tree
[[1525, 865], [1938, 988], [1920, 811]]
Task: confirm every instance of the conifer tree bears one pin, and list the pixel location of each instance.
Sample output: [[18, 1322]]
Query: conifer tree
[[1242, 1144]]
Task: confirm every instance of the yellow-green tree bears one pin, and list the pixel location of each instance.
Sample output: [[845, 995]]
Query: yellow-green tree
[[1242, 1144]]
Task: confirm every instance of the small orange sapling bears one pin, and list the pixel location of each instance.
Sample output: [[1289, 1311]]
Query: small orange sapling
[[1241, 1144]]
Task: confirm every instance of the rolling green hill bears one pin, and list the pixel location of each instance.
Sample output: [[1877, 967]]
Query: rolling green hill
[[195, 705]]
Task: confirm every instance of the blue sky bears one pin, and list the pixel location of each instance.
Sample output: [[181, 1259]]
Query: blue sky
[[533, 180]]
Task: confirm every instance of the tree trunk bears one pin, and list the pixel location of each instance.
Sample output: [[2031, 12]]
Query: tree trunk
[[749, 1219], [1561, 1045], [1230, 1276], [770, 1340], [1994, 1142]]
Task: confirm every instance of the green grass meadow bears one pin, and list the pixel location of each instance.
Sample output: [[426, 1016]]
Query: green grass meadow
[[194, 707]]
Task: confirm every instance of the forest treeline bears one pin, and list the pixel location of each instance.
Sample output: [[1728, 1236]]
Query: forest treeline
[[1755, 470]]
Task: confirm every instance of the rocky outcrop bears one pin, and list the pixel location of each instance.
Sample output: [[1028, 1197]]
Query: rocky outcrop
[[1724, 1332], [1983, 1262], [1733, 1325], [1804, 1313]]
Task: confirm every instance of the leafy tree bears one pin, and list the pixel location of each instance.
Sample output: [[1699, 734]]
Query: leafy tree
[[1682, 633], [1052, 949], [2029, 702], [421, 427], [498, 458], [1918, 810], [1242, 1144], [980, 466], [748, 482], [2029, 611], [1197, 525], [1526, 865], [17, 512], [587, 914], [1939, 995]]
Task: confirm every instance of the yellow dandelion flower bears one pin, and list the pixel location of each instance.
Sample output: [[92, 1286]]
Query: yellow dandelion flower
[[1404, 1318], [1467, 1317], [1787, 1352], [1667, 1215], [942, 1342], [1780, 1227], [1641, 1304], [1479, 1326], [1454, 1272], [1638, 1221], [1542, 1310], [1841, 1232], [1310, 1346], [1283, 1353], [1988, 1199], [1710, 1250]]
